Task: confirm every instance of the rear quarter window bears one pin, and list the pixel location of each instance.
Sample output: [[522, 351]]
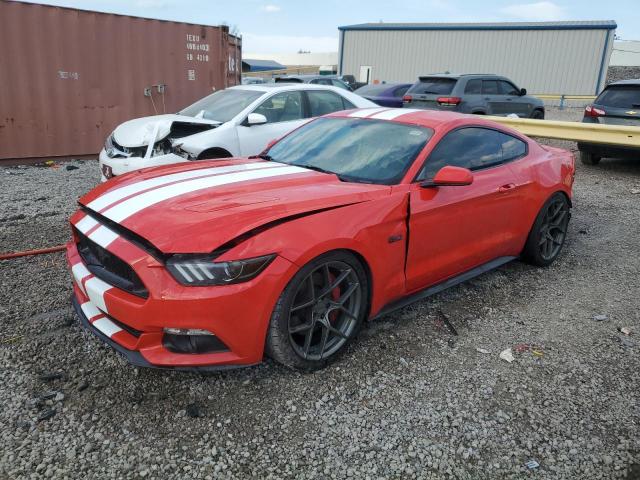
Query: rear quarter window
[[623, 96], [433, 85]]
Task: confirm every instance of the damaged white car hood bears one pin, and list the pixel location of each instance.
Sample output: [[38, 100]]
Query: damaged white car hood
[[141, 131]]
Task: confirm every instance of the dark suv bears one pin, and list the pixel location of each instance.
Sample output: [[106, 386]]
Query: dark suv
[[473, 93], [618, 104]]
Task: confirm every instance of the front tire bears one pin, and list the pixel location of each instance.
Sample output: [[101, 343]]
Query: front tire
[[319, 312], [549, 232], [589, 158]]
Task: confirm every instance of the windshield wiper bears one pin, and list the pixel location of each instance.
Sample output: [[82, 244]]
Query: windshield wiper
[[318, 169], [267, 157], [342, 178]]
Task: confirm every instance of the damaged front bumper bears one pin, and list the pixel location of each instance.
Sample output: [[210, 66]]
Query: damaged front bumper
[[113, 166]]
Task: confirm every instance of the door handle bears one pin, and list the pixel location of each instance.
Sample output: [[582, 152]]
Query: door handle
[[507, 187]]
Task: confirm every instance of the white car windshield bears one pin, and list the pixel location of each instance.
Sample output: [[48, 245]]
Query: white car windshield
[[222, 106]]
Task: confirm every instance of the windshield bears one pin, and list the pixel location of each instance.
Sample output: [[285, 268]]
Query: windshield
[[433, 85], [356, 149], [222, 106]]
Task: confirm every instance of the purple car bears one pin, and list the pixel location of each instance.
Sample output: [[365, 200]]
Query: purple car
[[384, 94]]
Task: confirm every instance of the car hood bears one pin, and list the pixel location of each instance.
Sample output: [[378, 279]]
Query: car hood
[[140, 131], [197, 207]]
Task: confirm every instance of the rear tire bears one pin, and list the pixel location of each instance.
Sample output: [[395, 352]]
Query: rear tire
[[319, 313], [537, 115], [549, 232], [589, 158]]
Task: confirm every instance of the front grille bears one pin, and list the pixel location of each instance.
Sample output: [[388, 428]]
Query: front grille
[[108, 267]]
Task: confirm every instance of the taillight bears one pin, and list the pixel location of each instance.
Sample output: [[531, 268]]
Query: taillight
[[449, 100], [591, 111], [407, 99]]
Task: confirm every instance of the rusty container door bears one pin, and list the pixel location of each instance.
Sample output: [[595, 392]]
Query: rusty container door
[[69, 77]]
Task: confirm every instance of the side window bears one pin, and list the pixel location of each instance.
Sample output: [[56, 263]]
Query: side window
[[473, 148], [323, 102], [400, 91], [474, 87], [489, 87], [507, 88], [339, 84], [282, 107]]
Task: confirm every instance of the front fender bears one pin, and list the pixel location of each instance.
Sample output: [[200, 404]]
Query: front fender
[[225, 137], [375, 230]]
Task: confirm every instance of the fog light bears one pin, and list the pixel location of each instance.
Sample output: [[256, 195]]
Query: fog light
[[192, 341]]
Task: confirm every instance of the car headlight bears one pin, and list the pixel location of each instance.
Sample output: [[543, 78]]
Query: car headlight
[[202, 270], [108, 143]]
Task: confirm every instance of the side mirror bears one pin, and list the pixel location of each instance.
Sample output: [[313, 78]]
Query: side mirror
[[523, 91], [256, 119], [450, 176]]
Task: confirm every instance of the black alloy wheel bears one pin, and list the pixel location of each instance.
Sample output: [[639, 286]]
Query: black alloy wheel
[[319, 312], [325, 310], [549, 231]]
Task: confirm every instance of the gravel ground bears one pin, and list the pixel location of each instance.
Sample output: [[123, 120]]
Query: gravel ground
[[408, 400]]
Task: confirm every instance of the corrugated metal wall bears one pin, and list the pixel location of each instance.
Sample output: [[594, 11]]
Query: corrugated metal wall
[[69, 76], [542, 61]]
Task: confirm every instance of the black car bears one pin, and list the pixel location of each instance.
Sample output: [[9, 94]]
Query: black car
[[618, 104]]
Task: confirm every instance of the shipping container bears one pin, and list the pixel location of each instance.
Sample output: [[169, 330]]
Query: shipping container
[[69, 76]]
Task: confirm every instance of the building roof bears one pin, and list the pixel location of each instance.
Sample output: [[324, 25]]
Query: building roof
[[570, 25], [259, 65]]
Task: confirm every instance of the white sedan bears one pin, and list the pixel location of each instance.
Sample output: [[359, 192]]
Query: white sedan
[[237, 121]]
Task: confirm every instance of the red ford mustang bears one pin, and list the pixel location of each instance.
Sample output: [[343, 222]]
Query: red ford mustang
[[355, 214]]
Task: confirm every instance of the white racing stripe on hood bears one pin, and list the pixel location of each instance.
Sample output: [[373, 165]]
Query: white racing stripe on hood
[[118, 194], [133, 205], [367, 111], [103, 236], [86, 223], [395, 113]]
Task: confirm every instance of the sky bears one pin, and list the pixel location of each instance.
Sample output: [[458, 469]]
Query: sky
[[286, 26]]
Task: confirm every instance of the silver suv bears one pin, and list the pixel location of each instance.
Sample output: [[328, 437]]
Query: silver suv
[[618, 104], [473, 93]]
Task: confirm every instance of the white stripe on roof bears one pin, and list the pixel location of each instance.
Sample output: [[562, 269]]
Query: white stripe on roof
[[365, 112]]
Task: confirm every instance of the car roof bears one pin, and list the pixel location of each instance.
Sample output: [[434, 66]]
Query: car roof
[[631, 81], [270, 87], [306, 77], [456, 76], [434, 119]]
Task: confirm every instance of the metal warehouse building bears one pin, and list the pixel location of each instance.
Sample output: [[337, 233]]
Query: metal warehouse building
[[545, 57], [70, 76]]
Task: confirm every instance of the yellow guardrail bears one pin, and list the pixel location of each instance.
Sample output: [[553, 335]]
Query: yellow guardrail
[[621, 135], [545, 96]]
